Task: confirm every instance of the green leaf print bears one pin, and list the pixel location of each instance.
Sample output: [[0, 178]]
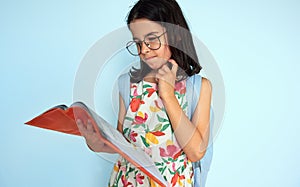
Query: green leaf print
[[178, 95], [171, 172], [120, 174], [139, 125], [144, 141], [182, 169], [163, 169], [125, 130], [184, 106], [161, 119], [165, 127], [157, 127], [128, 118], [165, 161], [147, 86], [131, 170], [165, 178], [158, 164], [145, 92]]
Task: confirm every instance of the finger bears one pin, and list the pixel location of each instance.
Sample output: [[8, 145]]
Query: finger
[[81, 127], [161, 71], [158, 76], [90, 127], [166, 68], [175, 65]]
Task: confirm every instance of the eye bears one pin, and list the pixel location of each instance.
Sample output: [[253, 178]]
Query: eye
[[137, 42], [151, 38]]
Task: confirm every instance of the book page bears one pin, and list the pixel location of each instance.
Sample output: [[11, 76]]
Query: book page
[[136, 154]]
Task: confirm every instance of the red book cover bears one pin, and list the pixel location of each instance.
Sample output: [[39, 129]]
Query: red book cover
[[63, 119], [57, 119]]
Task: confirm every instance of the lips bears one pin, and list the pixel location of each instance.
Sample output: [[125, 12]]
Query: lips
[[154, 62], [149, 58]]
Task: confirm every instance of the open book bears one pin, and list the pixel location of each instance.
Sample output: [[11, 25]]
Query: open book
[[63, 119]]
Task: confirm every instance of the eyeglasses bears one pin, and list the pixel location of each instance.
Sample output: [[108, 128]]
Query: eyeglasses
[[151, 41]]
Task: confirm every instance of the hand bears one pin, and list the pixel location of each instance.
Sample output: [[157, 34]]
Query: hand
[[90, 135], [166, 79]]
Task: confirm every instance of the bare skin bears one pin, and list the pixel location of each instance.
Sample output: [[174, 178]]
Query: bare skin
[[192, 135]]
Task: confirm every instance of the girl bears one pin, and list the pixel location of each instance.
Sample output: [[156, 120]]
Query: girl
[[156, 118]]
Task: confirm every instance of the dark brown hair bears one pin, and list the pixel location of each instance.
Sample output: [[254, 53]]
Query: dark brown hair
[[167, 12]]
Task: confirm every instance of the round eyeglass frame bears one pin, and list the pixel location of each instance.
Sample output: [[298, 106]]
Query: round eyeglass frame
[[139, 44]]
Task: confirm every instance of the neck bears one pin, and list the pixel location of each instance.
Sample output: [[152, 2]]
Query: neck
[[150, 77]]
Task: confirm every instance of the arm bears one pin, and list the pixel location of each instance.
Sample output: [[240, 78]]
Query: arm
[[92, 139], [192, 135]]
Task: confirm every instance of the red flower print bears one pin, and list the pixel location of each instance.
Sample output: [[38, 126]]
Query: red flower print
[[125, 182], [181, 177], [139, 178], [135, 90], [182, 91], [150, 91], [177, 155], [173, 166], [180, 87], [184, 162], [171, 151], [132, 136], [176, 178], [140, 118], [135, 104], [158, 133]]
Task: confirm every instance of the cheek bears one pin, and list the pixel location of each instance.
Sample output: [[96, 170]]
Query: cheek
[[165, 52]]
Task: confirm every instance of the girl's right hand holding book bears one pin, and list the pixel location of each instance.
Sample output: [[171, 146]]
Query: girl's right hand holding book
[[89, 133]]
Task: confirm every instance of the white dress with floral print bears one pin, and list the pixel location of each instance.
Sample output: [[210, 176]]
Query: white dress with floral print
[[146, 125]]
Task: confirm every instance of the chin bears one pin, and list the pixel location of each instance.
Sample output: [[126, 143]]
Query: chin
[[154, 67]]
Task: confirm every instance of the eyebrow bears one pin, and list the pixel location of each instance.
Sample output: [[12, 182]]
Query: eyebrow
[[154, 32]]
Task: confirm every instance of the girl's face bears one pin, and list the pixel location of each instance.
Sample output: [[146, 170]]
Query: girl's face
[[144, 28]]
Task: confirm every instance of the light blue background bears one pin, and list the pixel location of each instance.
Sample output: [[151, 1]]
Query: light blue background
[[256, 44]]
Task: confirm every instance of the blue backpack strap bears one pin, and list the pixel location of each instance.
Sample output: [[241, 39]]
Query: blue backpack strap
[[202, 166], [193, 86], [124, 88]]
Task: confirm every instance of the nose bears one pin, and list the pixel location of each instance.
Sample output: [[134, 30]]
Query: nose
[[144, 48]]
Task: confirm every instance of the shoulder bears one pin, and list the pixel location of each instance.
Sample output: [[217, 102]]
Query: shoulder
[[205, 90], [200, 82], [206, 84], [202, 85]]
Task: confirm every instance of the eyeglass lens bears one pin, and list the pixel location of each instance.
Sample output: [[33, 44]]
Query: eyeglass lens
[[151, 41]]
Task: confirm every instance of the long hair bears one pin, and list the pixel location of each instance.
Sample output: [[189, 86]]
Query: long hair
[[167, 12]]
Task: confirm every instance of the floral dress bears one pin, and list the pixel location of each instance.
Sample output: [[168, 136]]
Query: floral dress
[[146, 125]]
